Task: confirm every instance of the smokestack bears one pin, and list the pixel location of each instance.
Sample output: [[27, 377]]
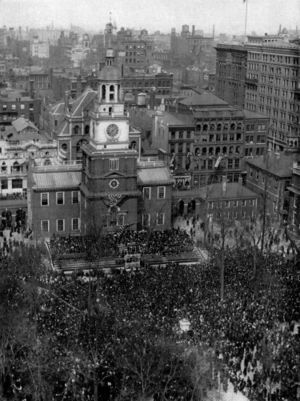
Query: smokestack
[[193, 30]]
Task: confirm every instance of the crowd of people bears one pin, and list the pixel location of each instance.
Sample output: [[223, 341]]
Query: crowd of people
[[251, 334], [163, 243]]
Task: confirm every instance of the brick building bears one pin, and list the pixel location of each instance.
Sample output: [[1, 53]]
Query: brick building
[[113, 186], [14, 104], [270, 176], [207, 133]]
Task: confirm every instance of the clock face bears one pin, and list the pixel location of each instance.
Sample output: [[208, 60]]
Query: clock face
[[112, 131], [114, 183]]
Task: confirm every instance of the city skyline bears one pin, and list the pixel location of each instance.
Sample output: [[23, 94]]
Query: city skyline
[[91, 15]]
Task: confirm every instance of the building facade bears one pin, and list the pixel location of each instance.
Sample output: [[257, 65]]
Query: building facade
[[270, 85]]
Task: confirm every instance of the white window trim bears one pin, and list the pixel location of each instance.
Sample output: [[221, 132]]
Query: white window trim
[[158, 224], [75, 218], [64, 225], [44, 231], [145, 191], [164, 188], [114, 160], [60, 192], [43, 193], [74, 203], [148, 219]]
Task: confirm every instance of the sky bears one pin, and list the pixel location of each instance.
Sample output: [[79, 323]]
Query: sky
[[227, 15]]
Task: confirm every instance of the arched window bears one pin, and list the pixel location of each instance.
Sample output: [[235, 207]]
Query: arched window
[[224, 150], [225, 127], [219, 127], [204, 150], [3, 167], [197, 151], [212, 127], [133, 145], [111, 92], [218, 150], [211, 151], [237, 149], [16, 167], [230, 149], [103, 92], [205, 127], [232, 126], [87, 129], [76, 130], [64, 147]]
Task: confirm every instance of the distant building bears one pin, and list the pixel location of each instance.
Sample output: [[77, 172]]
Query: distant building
[[263, 76], [14, 104], [38, 48], [270, 177]]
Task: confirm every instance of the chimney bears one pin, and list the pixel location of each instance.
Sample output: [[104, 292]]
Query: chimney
[[31, 89], [193, 30]]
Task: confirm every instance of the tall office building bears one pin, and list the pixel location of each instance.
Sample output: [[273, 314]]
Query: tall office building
[[264, 76]]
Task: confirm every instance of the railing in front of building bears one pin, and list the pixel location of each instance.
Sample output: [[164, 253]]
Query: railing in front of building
[[13, 196], [65, 165], [150, 162]]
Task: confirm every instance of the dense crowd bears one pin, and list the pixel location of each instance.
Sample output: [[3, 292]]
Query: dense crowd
[[105, 326], [251, 335], [163, 243]]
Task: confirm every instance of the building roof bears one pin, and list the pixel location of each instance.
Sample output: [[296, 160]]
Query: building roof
[[279, 165], [22, 123], [233, 190], [178, 119], [56, 179], [81, 101], [227, 112], [203, 99], [58, 108], [251, 114], [154, 176]]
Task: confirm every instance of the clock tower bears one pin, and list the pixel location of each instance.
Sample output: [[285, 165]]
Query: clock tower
[[109, 175]]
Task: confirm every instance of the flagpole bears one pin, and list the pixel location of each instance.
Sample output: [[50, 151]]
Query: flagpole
[[246, 17]]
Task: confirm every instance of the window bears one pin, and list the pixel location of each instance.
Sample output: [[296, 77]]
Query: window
[[4, 184], [147, 193], [114, 164], [120, 220], [60, 225], [60, 198], [17, 183], [75, 224], [161, 192], [160, 219], [45, 199], [45, 226], [75, 197]]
